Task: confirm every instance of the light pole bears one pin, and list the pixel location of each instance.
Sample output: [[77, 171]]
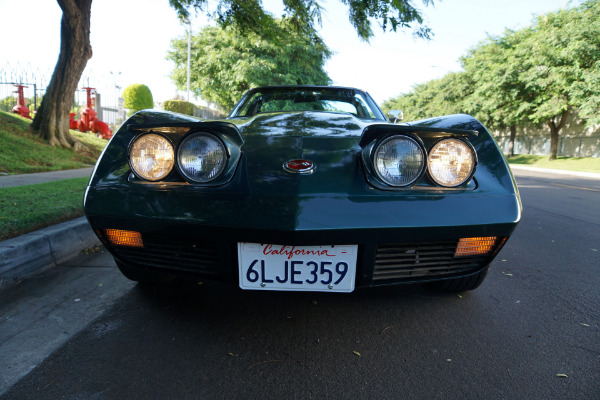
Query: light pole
[[115, 76], [188, 58], [120, 109]]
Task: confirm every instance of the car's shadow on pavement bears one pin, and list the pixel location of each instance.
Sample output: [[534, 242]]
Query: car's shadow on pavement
[[229, 305]]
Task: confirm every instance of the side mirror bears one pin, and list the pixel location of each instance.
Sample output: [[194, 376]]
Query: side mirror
[[395, 116]]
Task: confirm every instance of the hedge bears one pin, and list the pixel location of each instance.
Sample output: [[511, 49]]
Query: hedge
[[179, 106]]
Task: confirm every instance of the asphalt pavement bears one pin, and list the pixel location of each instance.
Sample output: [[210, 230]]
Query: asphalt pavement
[[528, 334]]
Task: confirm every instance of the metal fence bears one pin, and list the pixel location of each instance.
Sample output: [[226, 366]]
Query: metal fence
[[107, 97], [578, 146]]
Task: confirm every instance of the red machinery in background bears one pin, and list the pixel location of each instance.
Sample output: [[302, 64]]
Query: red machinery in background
[[88, 120], [21, 108]]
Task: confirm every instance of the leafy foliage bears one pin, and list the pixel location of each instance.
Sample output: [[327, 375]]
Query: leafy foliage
[[51, 121], [304, 14], [7, 103], [494, 68], [226, 62], [137, 97], [562, 68], [179, 106], [436, 97], [538, 75]]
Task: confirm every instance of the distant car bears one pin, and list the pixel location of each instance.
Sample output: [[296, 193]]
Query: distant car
[[303, 188]]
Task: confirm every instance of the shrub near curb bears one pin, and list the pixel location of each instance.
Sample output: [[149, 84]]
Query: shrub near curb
[[179, 106]]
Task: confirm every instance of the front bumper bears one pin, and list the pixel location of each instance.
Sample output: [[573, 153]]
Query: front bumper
[[401, 238], [385, 256]]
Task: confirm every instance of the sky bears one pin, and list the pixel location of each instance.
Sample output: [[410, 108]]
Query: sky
[[130, 40]]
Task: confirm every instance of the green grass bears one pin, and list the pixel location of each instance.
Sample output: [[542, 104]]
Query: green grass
[[584, 164], [22, 152], [25, 209], [28, 208]]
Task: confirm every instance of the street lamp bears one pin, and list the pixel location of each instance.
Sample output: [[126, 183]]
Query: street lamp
[[115, 76], [120, 109], [188, 58]]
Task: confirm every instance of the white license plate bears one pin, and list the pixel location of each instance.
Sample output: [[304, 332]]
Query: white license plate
[[302, 268]]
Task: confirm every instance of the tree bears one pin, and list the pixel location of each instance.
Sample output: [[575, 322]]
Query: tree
[[559, 62], [137, 97], [226, 62], [304, 14], [51, 122], [433, 98], [52, 119], [538, 74], [7, 103], [586, 51], [498, 95]]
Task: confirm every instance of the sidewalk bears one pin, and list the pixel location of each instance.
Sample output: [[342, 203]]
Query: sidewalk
[[34, 252], [42, 177]]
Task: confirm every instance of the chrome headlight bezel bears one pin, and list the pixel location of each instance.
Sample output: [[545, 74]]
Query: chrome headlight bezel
[[417, 146], [466, 177], [216, 172], [170, 154]]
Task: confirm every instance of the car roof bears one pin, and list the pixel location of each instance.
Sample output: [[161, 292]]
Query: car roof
[[303, 87]]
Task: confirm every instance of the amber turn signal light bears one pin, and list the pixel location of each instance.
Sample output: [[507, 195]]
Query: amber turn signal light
[[118, 237], [475, 246]]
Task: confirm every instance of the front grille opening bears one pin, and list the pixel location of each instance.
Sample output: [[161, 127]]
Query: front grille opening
[[404, 262], [173, 253]]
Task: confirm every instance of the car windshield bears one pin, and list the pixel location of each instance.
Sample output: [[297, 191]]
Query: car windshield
[[286, 99]]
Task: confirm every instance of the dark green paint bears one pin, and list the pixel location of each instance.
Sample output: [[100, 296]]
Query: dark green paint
[[334, 205]]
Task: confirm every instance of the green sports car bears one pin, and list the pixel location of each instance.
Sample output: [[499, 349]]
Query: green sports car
[[304, 188]]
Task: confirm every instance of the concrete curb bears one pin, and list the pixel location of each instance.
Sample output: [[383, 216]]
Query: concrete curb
[[26, 255]]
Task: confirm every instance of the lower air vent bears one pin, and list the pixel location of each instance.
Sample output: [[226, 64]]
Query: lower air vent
[[404, 262], [172, 253]]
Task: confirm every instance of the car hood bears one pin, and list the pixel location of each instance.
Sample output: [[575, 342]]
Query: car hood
[[263, 195], [330, 140]]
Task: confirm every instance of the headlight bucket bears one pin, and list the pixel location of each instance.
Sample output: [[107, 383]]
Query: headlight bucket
[[399, 160], [201, 157], [451, 162], [151, 157]]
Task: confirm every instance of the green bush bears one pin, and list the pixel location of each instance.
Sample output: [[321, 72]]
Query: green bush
[[137, 97], [179, 106]]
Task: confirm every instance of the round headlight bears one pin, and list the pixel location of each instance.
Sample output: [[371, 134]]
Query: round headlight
[[152, 157], [399, 161], [451, 162], [201, 157]]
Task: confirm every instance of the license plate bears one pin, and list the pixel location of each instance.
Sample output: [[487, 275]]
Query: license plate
[[329, 268]]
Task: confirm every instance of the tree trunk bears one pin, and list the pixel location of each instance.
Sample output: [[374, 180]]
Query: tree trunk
[[52, 119], [511, 142], [554, 131], [553, 140]]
